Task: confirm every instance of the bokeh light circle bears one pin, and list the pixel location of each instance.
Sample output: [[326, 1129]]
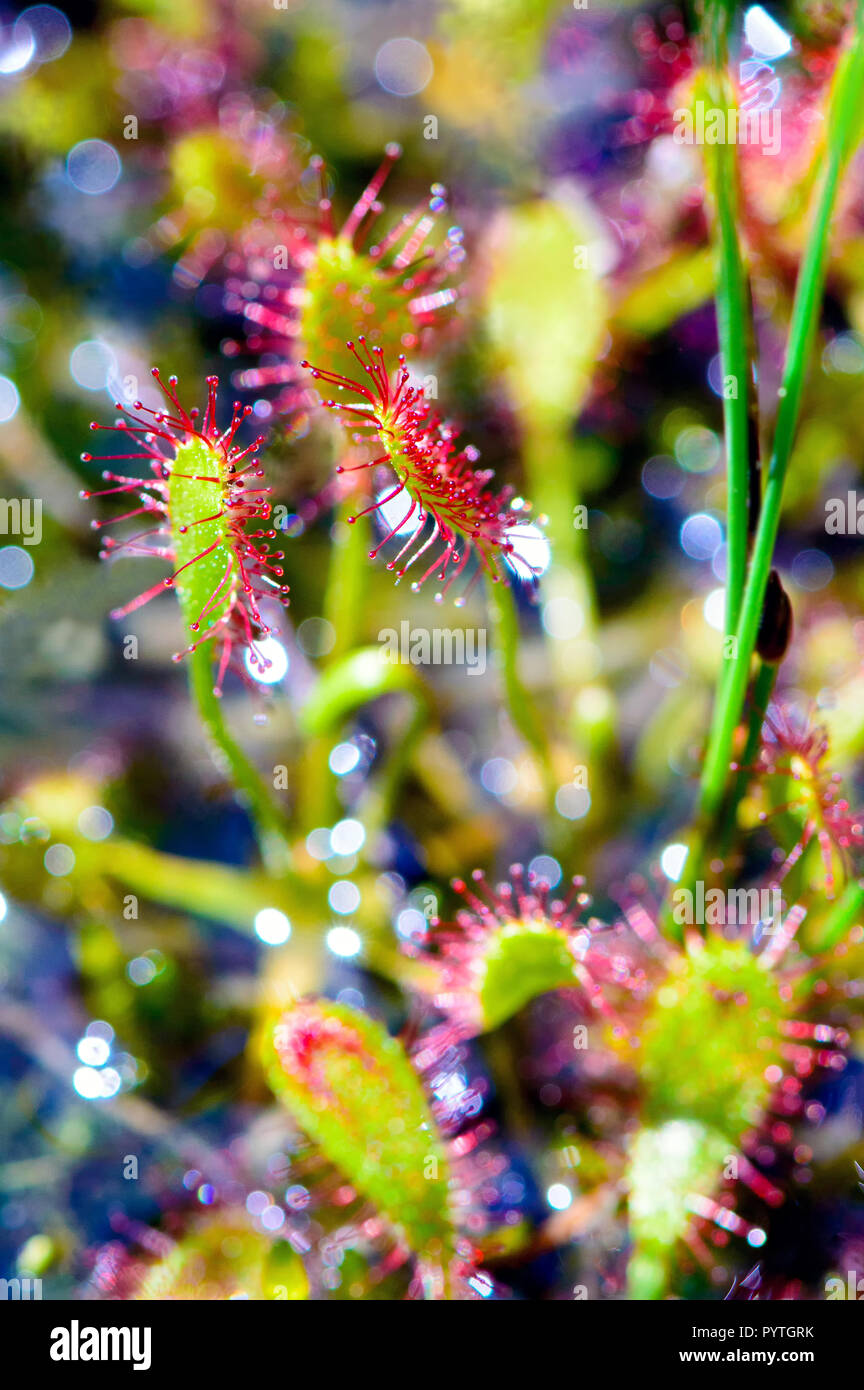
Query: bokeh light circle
[[49, 29], [93, 166], [403, 67], [9, 399]]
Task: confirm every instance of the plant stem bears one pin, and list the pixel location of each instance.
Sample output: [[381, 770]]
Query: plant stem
[[270, 825], [199, 887], [762, 690], [381, 801], [733, 311], [233, 896], [845, 913], [344, 598], [554, 466], [805, 313], [345, 594], [502, 608]]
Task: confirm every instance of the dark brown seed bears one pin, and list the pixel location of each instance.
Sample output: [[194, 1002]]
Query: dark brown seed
[[775, 625]]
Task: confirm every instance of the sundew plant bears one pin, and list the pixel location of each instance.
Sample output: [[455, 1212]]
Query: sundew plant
[[431, 642]]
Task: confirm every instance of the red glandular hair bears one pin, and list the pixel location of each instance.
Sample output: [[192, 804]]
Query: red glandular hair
[[796, 747], [203, 494], [435, 477], [301, 286]]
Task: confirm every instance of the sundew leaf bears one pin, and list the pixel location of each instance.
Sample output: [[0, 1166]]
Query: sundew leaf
[[347, 294], [352, 1089], [704, 1054], [668, 1164], [706, 1044], [521, 961], [546, 307], [198, 528], [221, 1257], [202, 493]]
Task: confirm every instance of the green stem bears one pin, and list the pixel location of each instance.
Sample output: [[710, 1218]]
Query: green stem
[[502, 609], [195, 886], [554, 468], [345, 593], [845, 913], [269, 822], [732, 316], [380, 804], [805, 313], [236, 896], [344, 598], [763, 687]]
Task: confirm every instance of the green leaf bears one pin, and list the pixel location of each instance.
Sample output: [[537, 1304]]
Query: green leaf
[[198, 526], [521, 961], [352, 681], [704, 1046], [712, 1031], [222, 1257], [668, 1165], [547, 307], [353, 1090]]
